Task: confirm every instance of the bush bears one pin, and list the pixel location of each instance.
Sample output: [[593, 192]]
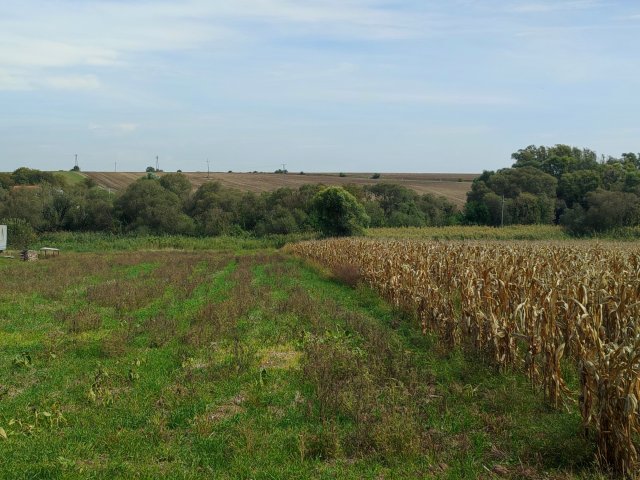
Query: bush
[[337, 213], [20, 234]]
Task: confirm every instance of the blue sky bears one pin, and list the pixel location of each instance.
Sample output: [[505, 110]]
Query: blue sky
[[320, 85]]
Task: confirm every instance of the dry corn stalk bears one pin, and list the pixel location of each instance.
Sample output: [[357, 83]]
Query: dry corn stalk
[[526, 306]]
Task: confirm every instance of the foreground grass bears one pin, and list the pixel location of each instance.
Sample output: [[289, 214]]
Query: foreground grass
[[225, 365]]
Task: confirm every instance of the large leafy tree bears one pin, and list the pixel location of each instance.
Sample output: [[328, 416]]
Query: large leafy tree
[[562, 184], [337, 213]]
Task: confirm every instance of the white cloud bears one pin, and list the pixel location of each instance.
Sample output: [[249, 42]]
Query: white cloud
[[23, 51], [72, 82], [22, 81], [421, 98], [83, 37], [555, 6], [12, 82], [124, 128]]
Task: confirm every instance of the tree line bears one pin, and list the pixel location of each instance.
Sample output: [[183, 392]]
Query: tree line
[[167, 204], [561, 185]]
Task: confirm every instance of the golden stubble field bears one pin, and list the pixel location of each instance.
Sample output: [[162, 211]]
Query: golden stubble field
[[452, 186]]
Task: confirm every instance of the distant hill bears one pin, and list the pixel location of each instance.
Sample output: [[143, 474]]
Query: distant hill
[[453, 186]]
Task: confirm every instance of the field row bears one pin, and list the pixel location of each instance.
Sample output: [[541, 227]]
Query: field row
[[148, 364]]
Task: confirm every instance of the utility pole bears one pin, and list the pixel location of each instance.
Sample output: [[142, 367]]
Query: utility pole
[[207, 168], [502, 214]]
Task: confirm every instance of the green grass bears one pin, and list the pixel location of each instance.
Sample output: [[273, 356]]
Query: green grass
[[248, 364], [105, 242], [509, 232], [72, 178], [461, 232]]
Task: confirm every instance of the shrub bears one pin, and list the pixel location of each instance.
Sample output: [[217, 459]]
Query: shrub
[[337, 213], [20, 234]]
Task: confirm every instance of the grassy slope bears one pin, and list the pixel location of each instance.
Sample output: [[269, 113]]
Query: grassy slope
[[223, 365], [72, 178]]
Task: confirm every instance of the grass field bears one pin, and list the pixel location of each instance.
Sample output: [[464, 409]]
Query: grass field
[[463, 232], [506, 233], [248, 364], [71, 178], [106, 242], [452, 186]]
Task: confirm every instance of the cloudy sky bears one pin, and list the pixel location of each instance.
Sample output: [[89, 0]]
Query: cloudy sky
[[320, 85]]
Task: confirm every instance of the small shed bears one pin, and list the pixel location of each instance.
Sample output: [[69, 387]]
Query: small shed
[[3, 238]]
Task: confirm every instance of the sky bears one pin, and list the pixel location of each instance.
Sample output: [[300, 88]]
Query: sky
[[316, 85]]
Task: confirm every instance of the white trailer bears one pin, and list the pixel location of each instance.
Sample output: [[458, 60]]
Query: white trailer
[[3, 238]]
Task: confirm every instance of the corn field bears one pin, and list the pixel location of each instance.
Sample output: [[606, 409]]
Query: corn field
[[535, 307]]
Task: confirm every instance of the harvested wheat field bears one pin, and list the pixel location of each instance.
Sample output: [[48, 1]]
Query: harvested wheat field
[[452, 186]]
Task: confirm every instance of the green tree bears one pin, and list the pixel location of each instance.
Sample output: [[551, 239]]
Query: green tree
[[30, 176], [574, 186], [215, 209], [338, 213], [391, 197], [91, 209], [26, 203], [147, 206], [177, 183], [608, 210], [437, 211], [279, 220], [20, 234], [529, 209], [511, 182], [6, 181], [556, 160]]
